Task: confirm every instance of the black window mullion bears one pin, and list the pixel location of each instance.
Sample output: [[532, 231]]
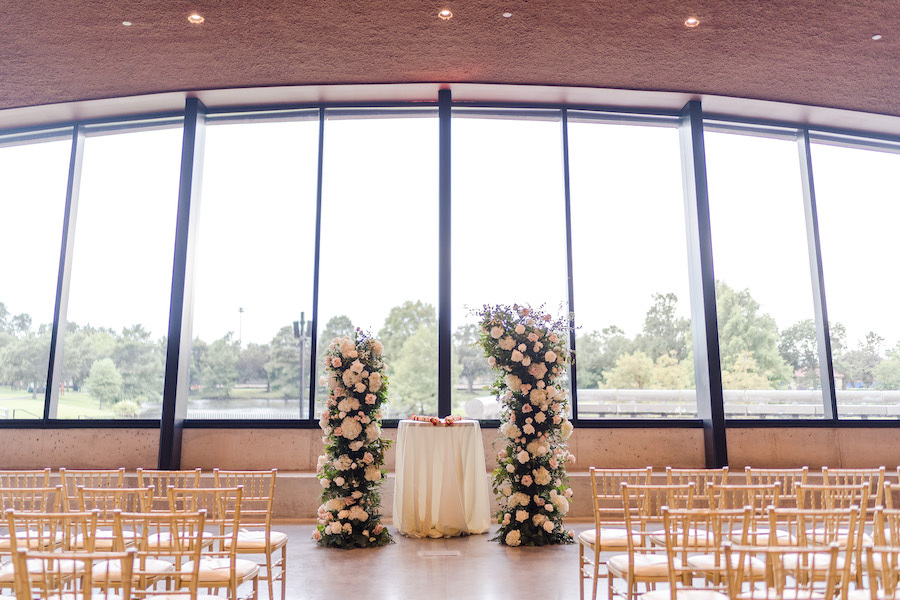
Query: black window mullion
[[313, 340], [823, 333], [445, 334], [178, 351], [58, 331], [567, 191], [704, 323]]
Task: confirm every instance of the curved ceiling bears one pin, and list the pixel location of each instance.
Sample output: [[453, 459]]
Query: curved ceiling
[[809, 52]]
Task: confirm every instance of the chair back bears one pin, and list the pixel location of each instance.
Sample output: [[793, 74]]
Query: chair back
[[792, 572], [758, 497], [161, 480], [700, 478], [70, 575], [886, 527], [108, 501], [174, 537], [883, 569], [71, 479], [31, 478], [42, 499], [608, 482], [61, 531], [873, 478], [257, 496], [786, 478]]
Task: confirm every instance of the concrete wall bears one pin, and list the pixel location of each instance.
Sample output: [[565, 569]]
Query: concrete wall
[[78, 448]]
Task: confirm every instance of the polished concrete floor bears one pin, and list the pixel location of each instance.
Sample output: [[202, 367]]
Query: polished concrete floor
[[466, 568]]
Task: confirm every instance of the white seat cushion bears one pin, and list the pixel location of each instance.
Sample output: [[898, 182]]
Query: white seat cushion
[[801, 594], [684, 595], [707, 562], [696, 538], [218, 570], [645, 565], [163, 540], [36, 568], [111, 570], [256, 540], [610, 538], [820, 561]]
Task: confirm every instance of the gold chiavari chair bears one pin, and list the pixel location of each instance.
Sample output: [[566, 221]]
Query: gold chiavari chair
[[40, 500], [823, 527], [219, 566], [72, 479], [27, 478], [811, 573], [162, 480], [883, 570], [645, 561], [256, 535], [787, 478], [700, 478], [759, 497], [46, 532], [609, 530], [694, 539], [107, 502], [69, 575], [888, 495], [874, 478]]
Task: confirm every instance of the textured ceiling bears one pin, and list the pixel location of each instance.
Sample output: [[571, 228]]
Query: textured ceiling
[[814, 52]]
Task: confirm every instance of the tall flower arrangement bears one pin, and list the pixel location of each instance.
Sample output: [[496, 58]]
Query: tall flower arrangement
[[351, 470], [528, 350]]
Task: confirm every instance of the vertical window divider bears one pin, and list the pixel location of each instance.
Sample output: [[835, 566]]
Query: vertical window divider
[[445, 334], [823, 332], [58, 331], [567, 193], [704, 323], [179, 341], [314, 334]]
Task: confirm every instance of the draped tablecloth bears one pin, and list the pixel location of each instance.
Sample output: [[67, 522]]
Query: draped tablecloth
[[441, 481]]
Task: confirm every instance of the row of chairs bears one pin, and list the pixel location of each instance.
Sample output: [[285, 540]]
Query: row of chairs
[[240, 505], [625, 495]]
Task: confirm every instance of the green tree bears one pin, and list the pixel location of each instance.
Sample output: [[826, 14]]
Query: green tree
[[25, 360], [199, 360], [283, 368], [859, 365], [799, 348], [596, 353], [221, 370], [633, 371], [84, 346], [141, 362], [744, 374], [669, 373], [743, 329], [403, 322], [414, 380], [104, 384], [664, 332], [471, 357], [252, 364]]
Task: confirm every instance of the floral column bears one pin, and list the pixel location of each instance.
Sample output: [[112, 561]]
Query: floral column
[[351, 470], [528, 350]]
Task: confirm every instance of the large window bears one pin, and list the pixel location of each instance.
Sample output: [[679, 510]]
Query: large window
[[254, 275], [32, 203], [858, 199], [122, 275], [508, 232], [379, 250], [764, 302], [633, 354]]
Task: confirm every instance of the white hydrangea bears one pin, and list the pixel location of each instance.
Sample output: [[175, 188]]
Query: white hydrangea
[[541, 476], [565, 430], [506, 343], [518, 499], [350, 428], [538, 519], [561, 504], [521, 516], [334, 504], [373, 473], [548, 526], [513, 538], [375, 382], [373, 432], [342, 462], [523, 457], [357, 513], [357, 367], [347, 346], [513, 383], [510, 430]]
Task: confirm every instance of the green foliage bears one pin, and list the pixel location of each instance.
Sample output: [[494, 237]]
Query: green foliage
[[25, 360], [141, 363], [128, 408], [352, 469], [105, 383], [251, 366], [414, 380], [744, 374], [402, 323], [529, 352], [664, 334], [471, 361], [858, 366], [284, 363], [220, 373]]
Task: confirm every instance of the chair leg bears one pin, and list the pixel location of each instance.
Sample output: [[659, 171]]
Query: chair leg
[[596, 571], [284, 572], [581, 571], [269, 574]]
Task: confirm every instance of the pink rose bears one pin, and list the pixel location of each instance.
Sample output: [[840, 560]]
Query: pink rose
[[368, 458], [527, 408], [526, 480], [378, 529], [553, 463], [317, 535], [370, 398], [338, 431], [335, 362]]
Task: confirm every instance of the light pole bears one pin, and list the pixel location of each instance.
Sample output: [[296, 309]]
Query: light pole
[[240, 326]]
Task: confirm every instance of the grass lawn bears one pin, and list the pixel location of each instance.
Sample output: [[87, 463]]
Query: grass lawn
[[72, 405]]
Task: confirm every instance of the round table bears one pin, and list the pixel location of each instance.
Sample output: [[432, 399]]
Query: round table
[[441, 480]]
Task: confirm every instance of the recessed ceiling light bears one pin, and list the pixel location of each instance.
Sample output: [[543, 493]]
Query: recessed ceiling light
[[445, 14], [691, 22], [507, 14], [126, 23], [195, 18], [876, 37]]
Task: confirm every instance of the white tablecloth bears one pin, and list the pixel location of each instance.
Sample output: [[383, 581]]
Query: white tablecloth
[[441, 488]]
